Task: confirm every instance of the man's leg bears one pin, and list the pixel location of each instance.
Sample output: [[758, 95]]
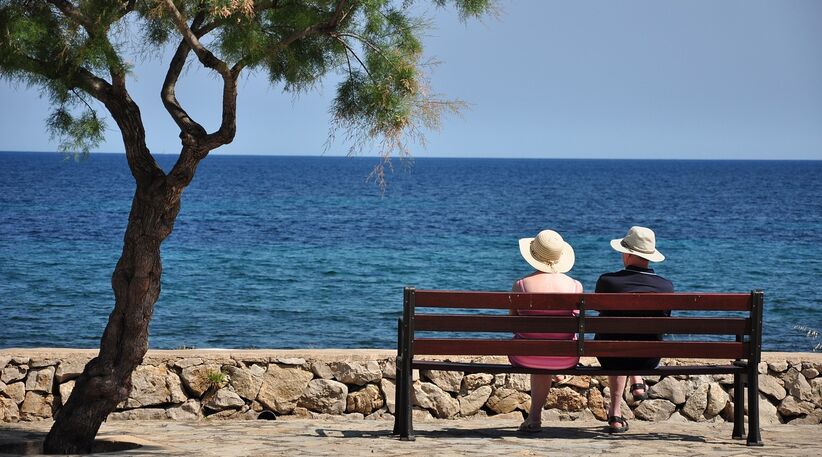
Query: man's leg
[[637, 380], [617, 387]]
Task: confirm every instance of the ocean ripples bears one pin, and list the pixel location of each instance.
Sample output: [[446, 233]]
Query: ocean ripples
[[268, 252]]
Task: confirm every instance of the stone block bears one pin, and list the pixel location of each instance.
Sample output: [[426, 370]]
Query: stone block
[[797, 385], [324, 396], [364, 401], [503, 401], [196, 377], [694, 408], [16, 391], [66, 389], [474, 380], [655, 410], [717, 400], [472, 402], [357, 373], [40, 379], [389, 392], [429, 396], [70, 368], [449, 381], [37, 405], [566, 399], [772, 387], [154, 385], [223, 399], [283, 387], [9, 411], [246, 382], [14, 373], [669, 389]]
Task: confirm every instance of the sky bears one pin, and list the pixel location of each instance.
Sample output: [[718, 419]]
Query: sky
[[697, 79]]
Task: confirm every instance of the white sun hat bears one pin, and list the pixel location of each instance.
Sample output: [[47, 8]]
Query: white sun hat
[[547, 252], [641, 242]]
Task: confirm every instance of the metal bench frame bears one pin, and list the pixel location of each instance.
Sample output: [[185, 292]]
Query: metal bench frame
[[743, 354]]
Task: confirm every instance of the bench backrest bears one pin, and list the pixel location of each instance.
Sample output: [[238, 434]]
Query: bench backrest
[[745, 326]]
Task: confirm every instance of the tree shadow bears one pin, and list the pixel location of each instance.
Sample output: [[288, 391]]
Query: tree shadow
[[15, 441]]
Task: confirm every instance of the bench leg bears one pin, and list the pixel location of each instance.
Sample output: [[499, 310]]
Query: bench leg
[[407, 424], [754, 439], [397, 399], [739, 407]]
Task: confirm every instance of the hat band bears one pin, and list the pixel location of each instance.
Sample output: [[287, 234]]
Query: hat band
[[628, 246], [536, 255]]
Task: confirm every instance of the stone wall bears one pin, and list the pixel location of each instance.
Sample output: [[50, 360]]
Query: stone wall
[[228, 384]]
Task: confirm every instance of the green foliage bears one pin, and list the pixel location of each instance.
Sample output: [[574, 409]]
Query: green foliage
[[216, 378], [375, 44]]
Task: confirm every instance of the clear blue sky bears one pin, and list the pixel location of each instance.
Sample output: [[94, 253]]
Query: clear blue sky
[[737, 79]]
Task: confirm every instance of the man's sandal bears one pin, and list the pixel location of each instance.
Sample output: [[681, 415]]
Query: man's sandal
[[529, 427], [643, 395], [617, 420]]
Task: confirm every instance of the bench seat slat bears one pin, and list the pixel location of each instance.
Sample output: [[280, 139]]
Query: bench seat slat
[[569, 324], [644, 302], [476, 346], [494, 368]]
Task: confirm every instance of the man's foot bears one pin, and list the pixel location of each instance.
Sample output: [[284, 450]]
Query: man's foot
[[617, 424], [643, 391]]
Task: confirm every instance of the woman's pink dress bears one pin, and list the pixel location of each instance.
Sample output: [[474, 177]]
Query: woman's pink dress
[[546, 283]]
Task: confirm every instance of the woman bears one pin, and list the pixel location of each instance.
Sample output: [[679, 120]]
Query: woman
[[552, 257]]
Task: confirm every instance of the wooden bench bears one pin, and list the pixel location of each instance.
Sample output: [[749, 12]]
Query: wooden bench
[[737, 315]]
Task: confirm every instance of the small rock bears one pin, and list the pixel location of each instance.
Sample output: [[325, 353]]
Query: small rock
[[321, 369], [810, 373], [358, 373], [13, 373], [518, 381], [724, 379], [389, 368], [36, 406], [188, 362], [4, 360], [669, 389], [292, 361], [771, 387], [474, 380], [389, 392], [421, 415], [364, 401], [154, 385], [678, 418], [779, 366], [140, 414], [717, 400], [580, 382], [797, 385], [246, 382], [811, 419], [762, 367], [324, 396], [597, 405], [566, 399], [223, 399], [16, 391], [429, 396], [473, 401], [283, 387], [195, 377], [449, 381], [791, 407], [503, 401], [655, 410], [694, 408], [9, 411], [40, 380], [816, 391], [70, 368], [66, 389], [190, 410]]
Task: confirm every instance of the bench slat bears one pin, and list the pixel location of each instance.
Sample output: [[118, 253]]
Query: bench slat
[[644, 302], [495, 368], [476, 346], [569, 324]]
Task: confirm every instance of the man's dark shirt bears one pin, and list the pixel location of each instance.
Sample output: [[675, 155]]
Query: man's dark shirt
[[634, 279]]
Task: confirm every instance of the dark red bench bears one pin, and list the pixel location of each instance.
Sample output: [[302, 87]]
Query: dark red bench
[[738, 354]]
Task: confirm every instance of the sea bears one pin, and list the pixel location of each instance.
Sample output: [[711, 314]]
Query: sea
[[306, 252]]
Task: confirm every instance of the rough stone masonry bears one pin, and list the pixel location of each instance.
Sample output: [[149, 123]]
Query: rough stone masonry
[[241, 384]]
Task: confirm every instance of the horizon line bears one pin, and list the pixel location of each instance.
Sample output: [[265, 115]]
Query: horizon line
[[415, 157]]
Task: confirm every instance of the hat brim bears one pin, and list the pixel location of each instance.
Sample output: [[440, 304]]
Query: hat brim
[[563, 265], [655, 256]]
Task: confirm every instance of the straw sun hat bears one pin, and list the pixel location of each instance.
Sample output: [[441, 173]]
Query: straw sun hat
[[641, 242], [547, 252]]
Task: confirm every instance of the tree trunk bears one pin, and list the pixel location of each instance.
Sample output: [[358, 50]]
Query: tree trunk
[[106, 380]]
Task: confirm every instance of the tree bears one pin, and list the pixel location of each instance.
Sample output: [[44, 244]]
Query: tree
[[77, 50]]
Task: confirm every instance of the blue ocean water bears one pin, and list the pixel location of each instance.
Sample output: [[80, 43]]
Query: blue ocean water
[[296, 252]]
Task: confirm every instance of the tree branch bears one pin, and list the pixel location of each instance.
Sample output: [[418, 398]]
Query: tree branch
[[206, 57]]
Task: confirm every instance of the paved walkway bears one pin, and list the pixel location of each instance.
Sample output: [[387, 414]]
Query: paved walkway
[[493, 437]]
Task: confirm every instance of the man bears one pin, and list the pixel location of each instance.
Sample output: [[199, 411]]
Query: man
[[637, 248]]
